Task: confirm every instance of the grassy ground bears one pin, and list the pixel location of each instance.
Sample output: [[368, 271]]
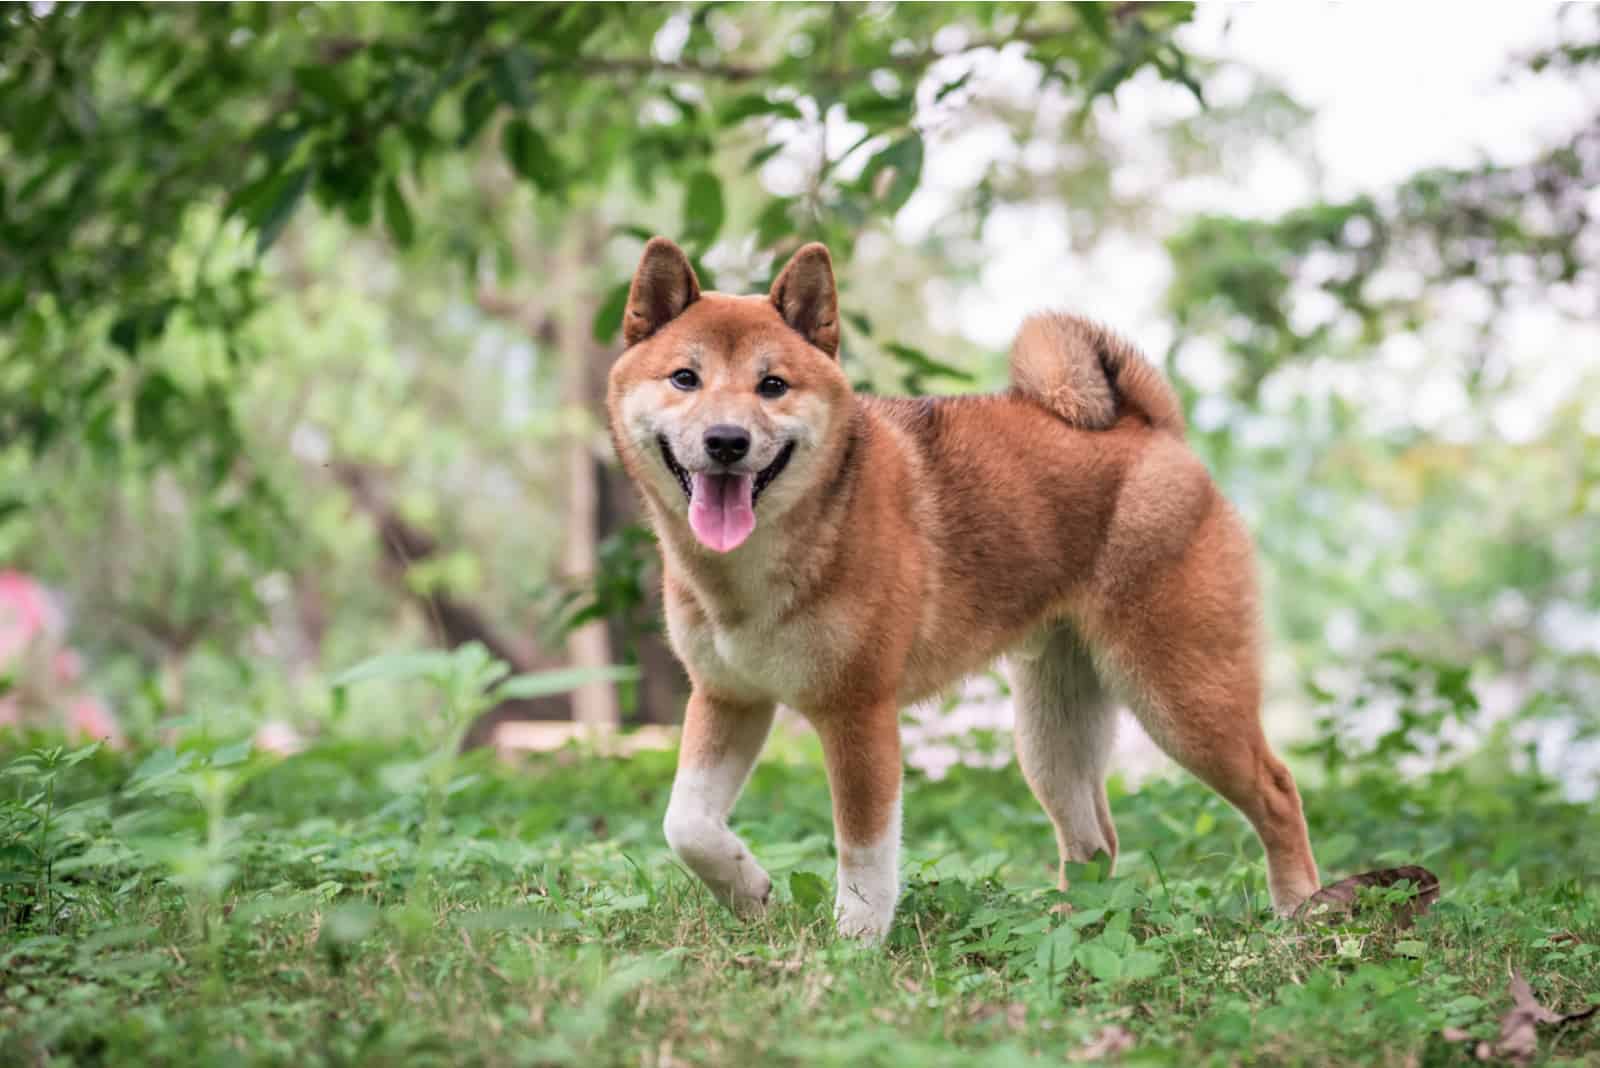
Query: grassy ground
[[357, 905]]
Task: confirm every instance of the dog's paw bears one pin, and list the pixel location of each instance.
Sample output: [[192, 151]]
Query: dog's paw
[[864, 922], [751, 892]]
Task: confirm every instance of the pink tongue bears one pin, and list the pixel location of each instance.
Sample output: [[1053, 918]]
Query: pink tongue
[[721, 512]]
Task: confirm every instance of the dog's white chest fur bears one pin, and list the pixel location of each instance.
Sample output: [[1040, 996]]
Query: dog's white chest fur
[[759, 658]]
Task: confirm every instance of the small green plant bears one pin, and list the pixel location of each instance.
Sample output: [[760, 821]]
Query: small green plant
[[31, 838], [468, 681]]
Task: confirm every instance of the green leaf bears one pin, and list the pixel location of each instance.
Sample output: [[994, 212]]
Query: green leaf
[[348, 923], [775, 222], [703, 209], [279, 204], [158, 764], [762, 154], [708, 280], [878, 111], [643, 233], [953, 86], [807, 889], [543, 683], [513, 73], [11, 505], [608, 317], [743, 107], [1056, 949], [531, 157], [114, 937], [1093, 17], [142, 323], [1100, 962], [1142, 964], [476, 107], [1411, 948], [396, 667], [322, 84], [237, 753], [78, 756], [397, 214], [507, 919], [920, 363], [894, 173]]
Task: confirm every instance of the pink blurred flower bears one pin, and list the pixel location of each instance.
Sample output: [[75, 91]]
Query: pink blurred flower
[[66, 666], [45, 671], [279, 738], [27, 612], [90, 717]]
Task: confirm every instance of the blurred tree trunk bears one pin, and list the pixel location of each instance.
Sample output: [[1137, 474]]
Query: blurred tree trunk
[[608, 498], [588, 645], [663, 687], [601, 501], [456, 622]]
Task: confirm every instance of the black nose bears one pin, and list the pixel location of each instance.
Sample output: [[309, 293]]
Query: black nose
[[727, 444]]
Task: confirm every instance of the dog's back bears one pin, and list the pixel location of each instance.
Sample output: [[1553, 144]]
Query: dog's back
[[1023, 516]]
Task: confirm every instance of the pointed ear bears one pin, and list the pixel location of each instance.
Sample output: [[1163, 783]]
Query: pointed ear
[[663, 286], [806, 297]]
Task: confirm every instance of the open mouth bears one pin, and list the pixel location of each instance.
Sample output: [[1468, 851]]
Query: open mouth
[[675, 467], [764, 477], [722, 504]]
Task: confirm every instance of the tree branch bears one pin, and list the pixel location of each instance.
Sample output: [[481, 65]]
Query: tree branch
[[741, 72]]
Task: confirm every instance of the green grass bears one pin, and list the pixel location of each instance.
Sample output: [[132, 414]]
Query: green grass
[[357, 905]]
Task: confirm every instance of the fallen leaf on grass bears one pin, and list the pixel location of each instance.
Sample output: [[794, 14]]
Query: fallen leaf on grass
[[1341, 898], [1110, 1042], [1014, 1012], [1519, 1028]]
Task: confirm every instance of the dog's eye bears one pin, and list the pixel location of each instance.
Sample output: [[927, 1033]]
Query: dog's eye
[[772, 386], [685, 379]]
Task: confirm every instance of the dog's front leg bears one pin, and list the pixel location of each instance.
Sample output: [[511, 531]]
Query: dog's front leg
[[721, 741], [862, 749]]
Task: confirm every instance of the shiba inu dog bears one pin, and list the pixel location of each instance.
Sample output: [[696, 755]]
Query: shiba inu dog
[[847, 555]]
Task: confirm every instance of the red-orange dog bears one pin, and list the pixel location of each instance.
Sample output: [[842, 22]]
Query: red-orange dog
[[848, 555]]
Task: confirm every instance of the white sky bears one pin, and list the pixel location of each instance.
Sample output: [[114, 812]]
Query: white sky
[[1398, 87], [1393, 89]]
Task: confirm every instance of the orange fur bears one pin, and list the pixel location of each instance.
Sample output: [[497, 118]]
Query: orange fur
[[909, 542]]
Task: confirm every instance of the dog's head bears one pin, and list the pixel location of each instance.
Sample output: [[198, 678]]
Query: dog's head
[[723, 407]]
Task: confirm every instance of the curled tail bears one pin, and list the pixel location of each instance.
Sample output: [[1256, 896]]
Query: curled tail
[[1088, 375]]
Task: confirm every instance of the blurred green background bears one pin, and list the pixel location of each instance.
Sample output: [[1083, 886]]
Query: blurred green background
[[305, 311]]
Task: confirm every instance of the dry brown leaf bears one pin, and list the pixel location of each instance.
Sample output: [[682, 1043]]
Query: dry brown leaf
[[1109, 1042], [1014, 1012], [1340, 898], [1519, 1028], [791, 965]]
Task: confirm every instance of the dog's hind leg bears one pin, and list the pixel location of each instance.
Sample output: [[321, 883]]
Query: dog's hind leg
[[1221, 742], [1183, 639], [721, 741], [1065, 725]]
